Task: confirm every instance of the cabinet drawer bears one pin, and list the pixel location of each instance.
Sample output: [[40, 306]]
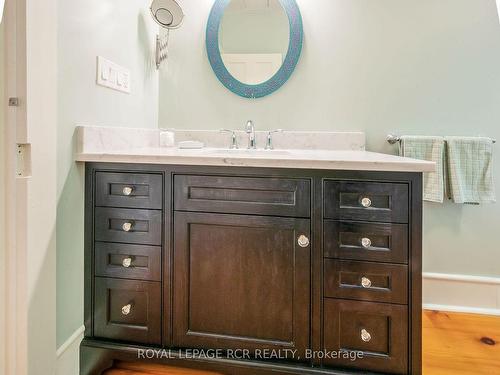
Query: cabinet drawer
[[128, 226], [128, 310], [378, 330], [366, 281], [369, 201], [366, 241], [243, 195], [139, 262], [129, 190]]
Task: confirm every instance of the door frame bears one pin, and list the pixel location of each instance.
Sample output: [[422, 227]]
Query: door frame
[[14, 337], [30, 212]]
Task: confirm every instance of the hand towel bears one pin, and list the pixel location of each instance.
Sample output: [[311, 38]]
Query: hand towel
[[470, 162], [431, 149]]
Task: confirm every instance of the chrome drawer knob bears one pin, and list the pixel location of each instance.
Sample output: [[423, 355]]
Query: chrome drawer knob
[[366, 202], [365, 335], [366, 242], [127, 262], [127, 227], [126, 309], [303, 241], [127, 190], [366, 282]]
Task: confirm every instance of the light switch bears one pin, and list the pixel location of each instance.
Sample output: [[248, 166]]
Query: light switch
[[126, 82], [105, 74], [112, 75], [120, 79]]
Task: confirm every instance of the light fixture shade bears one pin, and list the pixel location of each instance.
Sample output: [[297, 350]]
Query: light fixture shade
[[498, 9]]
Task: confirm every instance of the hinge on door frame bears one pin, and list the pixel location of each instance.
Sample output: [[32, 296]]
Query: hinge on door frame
[[23, 164], [13, 102]]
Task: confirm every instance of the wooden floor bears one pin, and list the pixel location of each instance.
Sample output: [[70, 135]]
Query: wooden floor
[[461, 344], [454, 344]]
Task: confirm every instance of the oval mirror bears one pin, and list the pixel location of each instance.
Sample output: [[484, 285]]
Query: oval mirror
[[254, 45]]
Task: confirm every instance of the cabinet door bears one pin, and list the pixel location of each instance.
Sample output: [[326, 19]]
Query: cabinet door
[[241, 282]]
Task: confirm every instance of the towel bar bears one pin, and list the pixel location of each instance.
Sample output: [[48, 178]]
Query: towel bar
[[393, 139]]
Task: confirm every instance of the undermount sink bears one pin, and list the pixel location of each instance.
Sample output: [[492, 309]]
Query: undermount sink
[[247, 152]]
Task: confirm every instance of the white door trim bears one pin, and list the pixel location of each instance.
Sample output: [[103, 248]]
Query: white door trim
[[16, 282], [31, 204]]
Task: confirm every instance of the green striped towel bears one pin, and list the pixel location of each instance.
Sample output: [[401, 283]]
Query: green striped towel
[[470, 163], [431, 149]]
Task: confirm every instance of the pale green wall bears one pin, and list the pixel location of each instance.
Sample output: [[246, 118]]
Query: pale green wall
[[412, 67], [125, 34]]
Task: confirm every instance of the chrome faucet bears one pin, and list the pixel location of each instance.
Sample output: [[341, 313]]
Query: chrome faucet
[[250, 130]]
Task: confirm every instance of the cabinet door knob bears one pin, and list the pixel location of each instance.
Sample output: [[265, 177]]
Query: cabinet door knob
[[366, 202], [366, 242], [366, 282], [365, 335], [127, 190], [127, 262], [303, 241], [127, 227], [126, 309]]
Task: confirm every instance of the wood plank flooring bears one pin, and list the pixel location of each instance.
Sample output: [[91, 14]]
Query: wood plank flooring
[[454, 344], [460, 344]]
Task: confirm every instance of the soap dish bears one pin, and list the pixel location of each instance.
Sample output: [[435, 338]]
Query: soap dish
[[191, 145]]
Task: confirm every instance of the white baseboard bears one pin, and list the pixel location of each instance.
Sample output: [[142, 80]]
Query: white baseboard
[[461, 293], [68, 354]]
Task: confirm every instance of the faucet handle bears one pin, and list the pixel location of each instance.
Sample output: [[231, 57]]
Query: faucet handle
[[234, 140], [269, 143], [249, 127]]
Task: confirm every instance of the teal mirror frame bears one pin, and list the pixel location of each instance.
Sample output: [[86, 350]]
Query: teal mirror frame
[[275, 82]]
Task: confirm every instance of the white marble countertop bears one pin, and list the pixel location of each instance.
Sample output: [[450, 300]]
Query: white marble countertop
[[111, 145], [307, 159]]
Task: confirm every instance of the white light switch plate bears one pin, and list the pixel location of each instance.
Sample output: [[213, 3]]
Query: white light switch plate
[[112, 75]]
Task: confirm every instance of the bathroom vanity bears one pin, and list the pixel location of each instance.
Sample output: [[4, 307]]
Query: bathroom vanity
[[267, 270]]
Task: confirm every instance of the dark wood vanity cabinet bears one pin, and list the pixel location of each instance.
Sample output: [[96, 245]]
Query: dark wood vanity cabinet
[[273, 271]]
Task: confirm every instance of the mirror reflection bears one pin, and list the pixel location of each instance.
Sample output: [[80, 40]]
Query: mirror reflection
[[254, 36]]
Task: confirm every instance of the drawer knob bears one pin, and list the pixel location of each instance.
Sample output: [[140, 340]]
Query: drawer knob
[[366, 202], [127, 190], [127, 227], [365, 335], [127, 262], [366, 282], [126, 309], [366, 242], [303, 241]]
